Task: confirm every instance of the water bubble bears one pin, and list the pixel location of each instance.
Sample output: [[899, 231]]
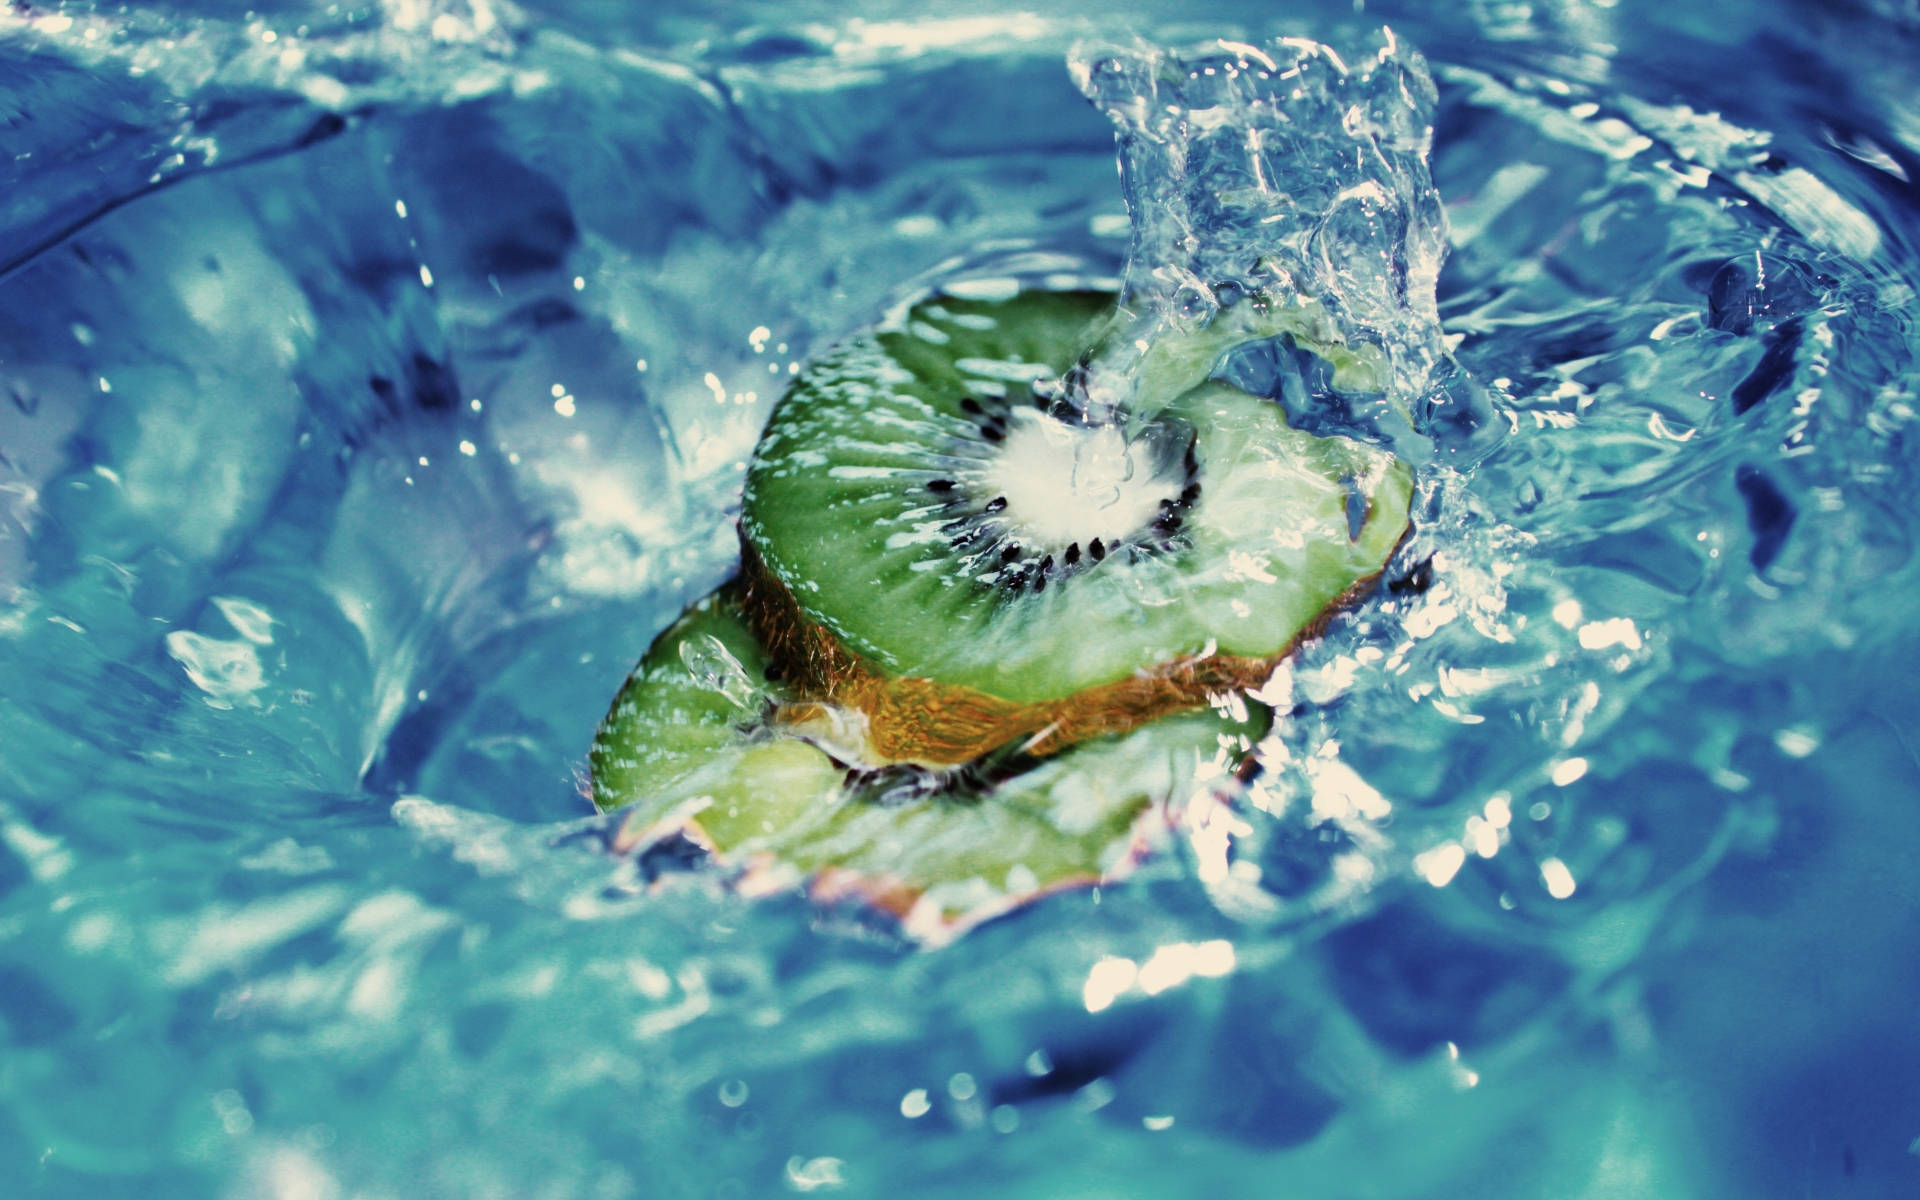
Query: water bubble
[[1756, 290], [1194, 300]]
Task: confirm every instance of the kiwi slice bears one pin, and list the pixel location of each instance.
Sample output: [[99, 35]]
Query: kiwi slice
[[706, 742], [955, 526], [681, 714]]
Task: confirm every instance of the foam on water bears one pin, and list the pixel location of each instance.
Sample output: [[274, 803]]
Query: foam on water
[[370, 394]]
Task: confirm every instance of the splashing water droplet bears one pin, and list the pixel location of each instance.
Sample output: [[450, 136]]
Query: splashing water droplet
[[710, 662], [1284, 170]]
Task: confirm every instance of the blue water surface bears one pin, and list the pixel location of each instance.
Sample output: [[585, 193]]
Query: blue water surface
[[376, 379]]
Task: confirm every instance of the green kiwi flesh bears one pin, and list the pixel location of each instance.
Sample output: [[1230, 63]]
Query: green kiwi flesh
[[693, 746], [932, 500], [680, 716]]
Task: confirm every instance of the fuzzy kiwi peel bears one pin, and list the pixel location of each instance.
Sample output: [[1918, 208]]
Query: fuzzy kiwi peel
[[940, 536], [703, 742]]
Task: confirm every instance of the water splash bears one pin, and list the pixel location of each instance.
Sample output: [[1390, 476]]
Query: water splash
[[1289, 176], [1291, 173], [1285, 170], [209, 956]]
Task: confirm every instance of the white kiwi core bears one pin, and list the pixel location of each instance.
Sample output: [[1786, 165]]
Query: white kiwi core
[[1068, 483]]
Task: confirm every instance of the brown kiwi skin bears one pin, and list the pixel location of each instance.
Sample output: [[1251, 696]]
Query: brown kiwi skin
[[911, 719]]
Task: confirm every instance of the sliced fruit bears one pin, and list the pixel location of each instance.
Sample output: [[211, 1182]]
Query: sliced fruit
[[939, 849], [944, 536], [700, 685]]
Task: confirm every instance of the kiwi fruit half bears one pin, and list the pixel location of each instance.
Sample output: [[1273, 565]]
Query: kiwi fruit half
[[1015, 521], [700, 744]]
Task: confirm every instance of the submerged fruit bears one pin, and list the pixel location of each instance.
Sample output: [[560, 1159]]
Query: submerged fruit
[[942, 535], [993, 586], [702, 743]]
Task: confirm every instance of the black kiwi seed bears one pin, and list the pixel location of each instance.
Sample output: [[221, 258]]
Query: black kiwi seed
[[1010, 553], [971, 406], [1191, 493], [1097, 549], [1046, 564], [992, 432], [995, 505], [942, 486], [964, 532], [1072, 555]]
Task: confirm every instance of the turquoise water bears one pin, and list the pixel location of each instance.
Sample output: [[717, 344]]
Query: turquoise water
[[376, 380]]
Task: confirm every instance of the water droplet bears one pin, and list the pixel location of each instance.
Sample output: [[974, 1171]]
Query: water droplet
[[1756, 290]]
